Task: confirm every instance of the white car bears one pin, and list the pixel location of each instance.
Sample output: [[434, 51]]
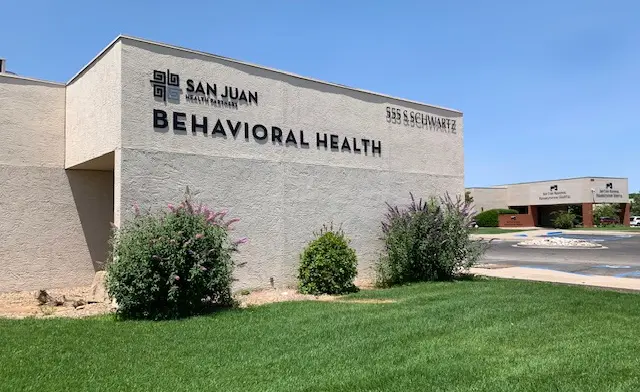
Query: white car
[[635, 221]]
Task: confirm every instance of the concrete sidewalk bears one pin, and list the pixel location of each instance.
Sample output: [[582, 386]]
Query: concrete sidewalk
[[600, 232], [523, 235], [544, 275]]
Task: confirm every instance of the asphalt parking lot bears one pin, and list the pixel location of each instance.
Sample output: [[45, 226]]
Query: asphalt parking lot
[[621, 257]]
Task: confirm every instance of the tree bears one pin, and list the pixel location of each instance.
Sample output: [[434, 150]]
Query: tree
[[634, 198], [606, 211], [467, 197]]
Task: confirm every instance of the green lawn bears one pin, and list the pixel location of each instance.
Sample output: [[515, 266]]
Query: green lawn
[[495, 230], [479, 335], [611, 228]]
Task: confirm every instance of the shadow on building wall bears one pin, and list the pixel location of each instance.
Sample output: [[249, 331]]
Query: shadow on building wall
[[93, 195]]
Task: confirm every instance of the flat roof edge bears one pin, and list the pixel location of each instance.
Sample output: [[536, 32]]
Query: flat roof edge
[[264, 68], [94, 60], [566, 179], [486, 187], [58, 84]]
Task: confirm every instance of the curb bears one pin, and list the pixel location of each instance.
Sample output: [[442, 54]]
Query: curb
[[598, 247]]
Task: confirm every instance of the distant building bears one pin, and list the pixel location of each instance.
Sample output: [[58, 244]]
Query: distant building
[[536, 201]]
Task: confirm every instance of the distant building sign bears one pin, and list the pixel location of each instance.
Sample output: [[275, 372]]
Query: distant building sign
[[608, 192], [554, 194], [517, 220]]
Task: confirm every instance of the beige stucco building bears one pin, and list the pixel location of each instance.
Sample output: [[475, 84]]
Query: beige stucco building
[[143, 120], [539, 199]]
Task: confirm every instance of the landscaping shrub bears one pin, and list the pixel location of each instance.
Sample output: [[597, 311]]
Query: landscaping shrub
[[427, 241], [606, 211], [172, 264], [489, 218], [563, 219], [634, 199], [328, 265]]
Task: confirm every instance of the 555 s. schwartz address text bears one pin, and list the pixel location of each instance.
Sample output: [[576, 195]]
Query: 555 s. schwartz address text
[[417, 119]]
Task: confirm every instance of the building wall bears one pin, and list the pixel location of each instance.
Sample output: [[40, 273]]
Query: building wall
[[488, 198], [51, 231], [94, 109], [282, 193], [32, 128], [545, 193], [569, 191], [607, 190]]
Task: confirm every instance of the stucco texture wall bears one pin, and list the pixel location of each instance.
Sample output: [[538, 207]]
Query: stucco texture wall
[[286, 102], [54, 223], [94, 109], [54, 233], [280, 204], [32, 128], [281, 193], [488, 198]]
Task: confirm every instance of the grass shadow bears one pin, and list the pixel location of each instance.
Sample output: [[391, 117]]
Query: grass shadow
[[207, 310], [470, 277]]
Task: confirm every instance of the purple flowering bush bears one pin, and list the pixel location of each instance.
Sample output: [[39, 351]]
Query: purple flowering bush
[[173, 264], [427, 241]]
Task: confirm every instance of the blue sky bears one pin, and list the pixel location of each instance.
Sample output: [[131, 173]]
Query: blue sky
[[548, 88]]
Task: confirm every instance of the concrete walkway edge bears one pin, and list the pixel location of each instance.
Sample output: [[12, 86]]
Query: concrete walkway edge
[[543, 275], [528, 234]]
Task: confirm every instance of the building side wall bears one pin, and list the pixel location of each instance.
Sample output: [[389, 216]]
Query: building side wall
[[55, 228], [94, 109], [607, 190], [52, 231], [280, 204], [284, 101], [488, 198], [281, 193], [32, 128]]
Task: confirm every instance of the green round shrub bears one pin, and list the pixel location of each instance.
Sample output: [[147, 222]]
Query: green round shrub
[[489, 218], [328, 265], [174, 264], [563, 219]]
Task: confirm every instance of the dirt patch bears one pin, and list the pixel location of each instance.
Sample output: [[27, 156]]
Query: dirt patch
[[23, 304], [263, 297]]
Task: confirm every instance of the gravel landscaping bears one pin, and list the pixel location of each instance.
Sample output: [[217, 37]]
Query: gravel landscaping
[[554, 242]]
